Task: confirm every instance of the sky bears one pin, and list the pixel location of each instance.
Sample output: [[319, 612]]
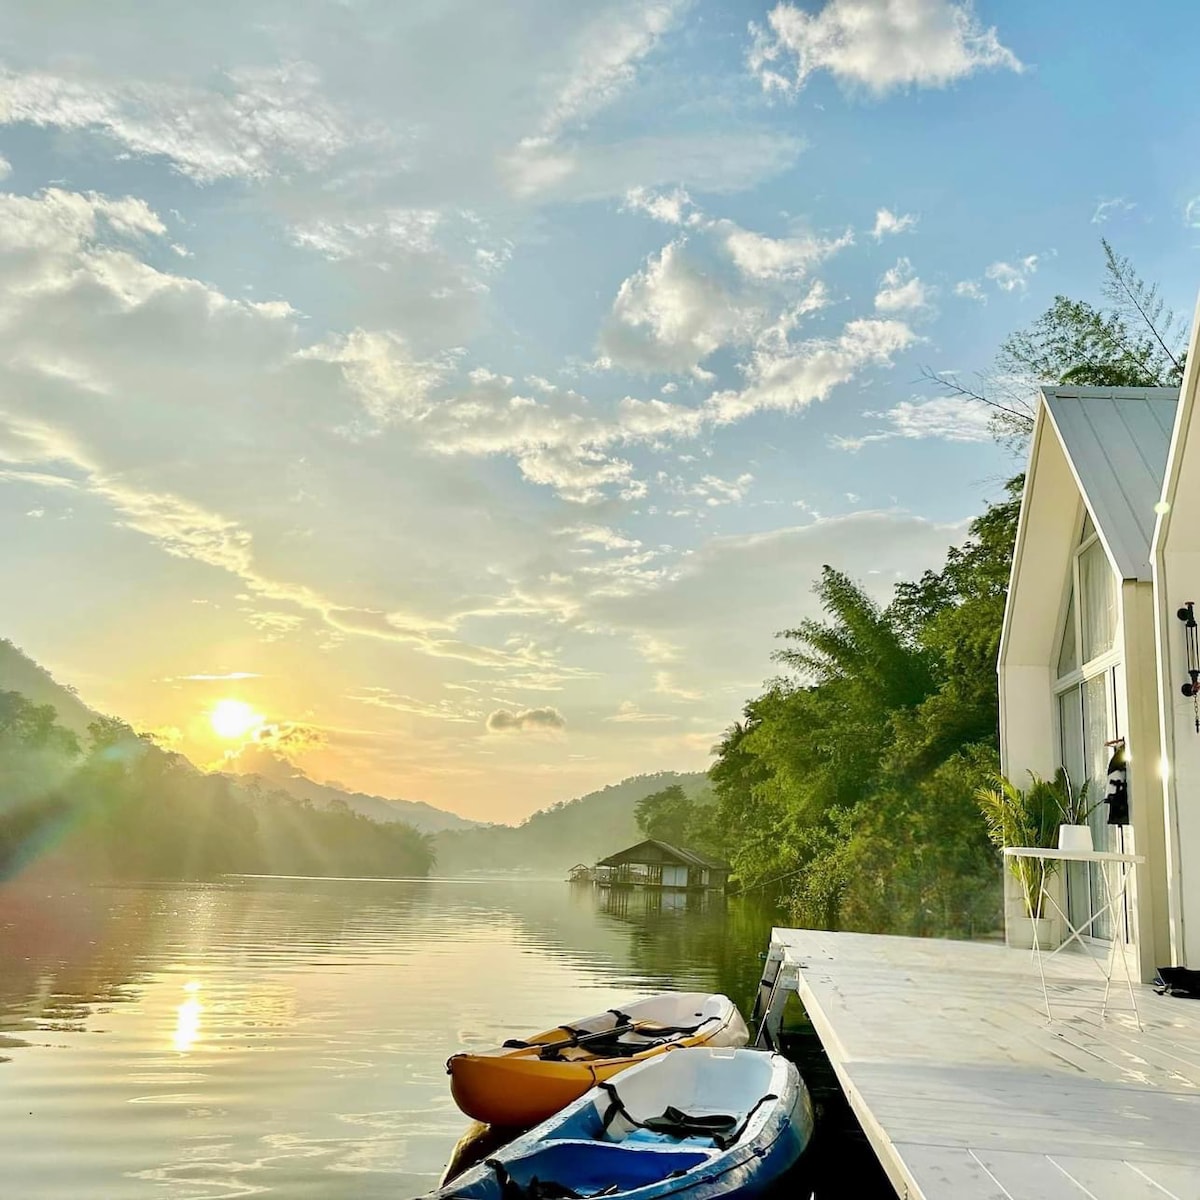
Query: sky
[[472, 392]]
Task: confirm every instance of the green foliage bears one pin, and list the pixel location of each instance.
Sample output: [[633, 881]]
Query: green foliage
[[1130, 339], [554, 839], [1028, 817], [847, 792], [129, 810]]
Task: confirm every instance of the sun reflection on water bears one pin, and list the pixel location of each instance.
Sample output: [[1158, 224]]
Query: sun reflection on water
[[187, 1019]]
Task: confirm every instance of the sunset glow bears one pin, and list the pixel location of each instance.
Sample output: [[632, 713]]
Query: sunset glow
[[234, 719]]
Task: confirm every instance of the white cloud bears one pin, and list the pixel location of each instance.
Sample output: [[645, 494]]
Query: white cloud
[[945, 418], [1013, 277], [969, 289], [258, 123], [673, 313], [1107, 208], [603, 62], [877, 44], [5, 167], [715, 285], [716, 491], [629, 713], [786, 376], [1191, 213], [901, 290], [672, 208], [888, 223], [762, 257]]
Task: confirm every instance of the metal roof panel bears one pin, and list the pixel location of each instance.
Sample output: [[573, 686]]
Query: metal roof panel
[[1116, 441]]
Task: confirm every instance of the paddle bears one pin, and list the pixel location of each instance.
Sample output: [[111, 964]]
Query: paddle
[[580, 1039]]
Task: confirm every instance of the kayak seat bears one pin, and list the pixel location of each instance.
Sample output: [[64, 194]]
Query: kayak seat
[[676, 1123], [724, 1130]]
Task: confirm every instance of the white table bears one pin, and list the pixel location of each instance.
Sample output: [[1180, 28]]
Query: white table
[[1111, 904]]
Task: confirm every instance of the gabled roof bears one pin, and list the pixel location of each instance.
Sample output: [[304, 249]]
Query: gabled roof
[[1116, 442], [691, 858]]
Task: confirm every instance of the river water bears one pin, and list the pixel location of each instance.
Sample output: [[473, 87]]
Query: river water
[[287, 1037]]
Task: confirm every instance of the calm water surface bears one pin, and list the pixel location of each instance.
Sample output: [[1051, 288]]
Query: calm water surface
[[288, 1036]]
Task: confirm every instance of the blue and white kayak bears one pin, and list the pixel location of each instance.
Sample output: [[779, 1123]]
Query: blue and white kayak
[[692, 1123]]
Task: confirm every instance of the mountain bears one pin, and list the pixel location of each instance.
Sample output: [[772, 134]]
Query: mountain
[[20, 673], [555, 839], [423, 816]]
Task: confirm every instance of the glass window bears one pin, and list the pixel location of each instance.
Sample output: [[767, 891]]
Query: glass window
[[1097, 584], [1068, 656], [1088, 528]]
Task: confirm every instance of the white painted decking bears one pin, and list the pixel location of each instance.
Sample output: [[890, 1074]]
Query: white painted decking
[[968, 1093]]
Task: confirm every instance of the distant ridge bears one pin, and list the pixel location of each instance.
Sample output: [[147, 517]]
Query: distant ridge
[[20, 673], [554, 839]]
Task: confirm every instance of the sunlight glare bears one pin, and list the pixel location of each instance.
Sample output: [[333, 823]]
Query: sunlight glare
[[187, 1019], [233, 718]]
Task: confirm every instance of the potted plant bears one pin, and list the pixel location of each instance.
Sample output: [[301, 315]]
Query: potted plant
[[1026, 817], [1074, 833]]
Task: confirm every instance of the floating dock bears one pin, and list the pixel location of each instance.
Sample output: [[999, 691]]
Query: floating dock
[[967, 1092]]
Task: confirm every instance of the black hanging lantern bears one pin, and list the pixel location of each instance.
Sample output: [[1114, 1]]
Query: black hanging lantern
[[1191, 641]]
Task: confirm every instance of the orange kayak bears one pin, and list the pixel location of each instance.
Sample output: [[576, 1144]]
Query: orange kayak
[[529, 1079]]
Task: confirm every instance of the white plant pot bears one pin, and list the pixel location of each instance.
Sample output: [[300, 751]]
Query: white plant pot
[[1075, 837], [1021, 934]]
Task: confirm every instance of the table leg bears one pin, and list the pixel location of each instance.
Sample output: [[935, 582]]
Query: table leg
[[1043, 900]]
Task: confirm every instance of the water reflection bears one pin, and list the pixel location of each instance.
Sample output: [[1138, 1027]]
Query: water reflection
[[187, 1019], [267, 1035]]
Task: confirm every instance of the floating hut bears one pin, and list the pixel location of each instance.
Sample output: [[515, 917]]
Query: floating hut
[[655, 864]]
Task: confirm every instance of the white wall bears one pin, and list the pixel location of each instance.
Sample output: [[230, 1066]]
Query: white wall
[[1179, 582]]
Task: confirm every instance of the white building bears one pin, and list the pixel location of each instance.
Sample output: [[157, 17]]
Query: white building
[[1077, 653]]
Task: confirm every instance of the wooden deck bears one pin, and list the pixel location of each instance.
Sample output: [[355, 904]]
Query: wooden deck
[[967, 1092]]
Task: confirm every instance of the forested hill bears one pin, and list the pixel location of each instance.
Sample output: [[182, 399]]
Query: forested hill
[[554, 839], [21, 674]]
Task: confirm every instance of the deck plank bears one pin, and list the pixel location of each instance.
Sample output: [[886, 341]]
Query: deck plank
[[966, 1090]]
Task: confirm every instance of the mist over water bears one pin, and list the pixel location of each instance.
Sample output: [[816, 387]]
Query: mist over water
[[288, 1036]]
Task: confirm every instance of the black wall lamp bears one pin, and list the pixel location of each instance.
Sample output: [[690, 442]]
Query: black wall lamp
[[1191, 641]]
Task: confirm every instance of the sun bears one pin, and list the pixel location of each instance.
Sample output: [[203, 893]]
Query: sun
[[233, 718]]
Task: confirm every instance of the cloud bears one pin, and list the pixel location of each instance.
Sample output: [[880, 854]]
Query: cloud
[[1191, 213], [945, 418], [715, 285], [888, 223], [901, 290], [603, 64], [440, 710], [5, 167], [259, 122], [629, 713], [716, 491], [672, 208], [1013, 277], [1110, 208], [969, 289], [287, 738], [876, 44], [228, 676], [503, 720]]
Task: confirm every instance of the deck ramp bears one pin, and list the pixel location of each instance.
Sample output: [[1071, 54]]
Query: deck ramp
[[967, 1092]]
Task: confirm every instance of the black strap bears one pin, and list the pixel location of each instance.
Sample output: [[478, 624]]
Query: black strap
[[675, 1123], [723, 1143], [538, 1189], [615, 1107]]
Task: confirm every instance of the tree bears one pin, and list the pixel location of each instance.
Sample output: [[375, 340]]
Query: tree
[[666, 815], [1133, 339]]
